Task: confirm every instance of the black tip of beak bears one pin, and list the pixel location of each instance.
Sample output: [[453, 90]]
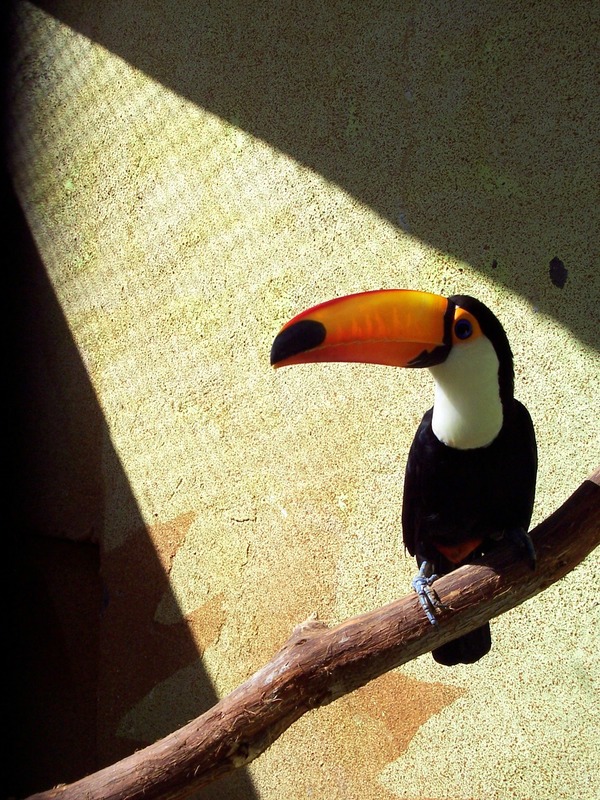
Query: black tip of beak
[[299, 337]]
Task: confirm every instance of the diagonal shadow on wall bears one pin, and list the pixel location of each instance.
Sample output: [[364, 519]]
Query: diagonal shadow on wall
[[470, 126], [63, 619]]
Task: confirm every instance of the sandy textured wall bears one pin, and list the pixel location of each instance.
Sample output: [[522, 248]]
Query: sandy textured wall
[[195, 175]]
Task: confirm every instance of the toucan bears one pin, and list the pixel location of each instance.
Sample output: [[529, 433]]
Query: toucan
[[471, 470]]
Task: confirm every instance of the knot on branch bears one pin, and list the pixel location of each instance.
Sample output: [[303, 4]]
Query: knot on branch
[[306, 630]]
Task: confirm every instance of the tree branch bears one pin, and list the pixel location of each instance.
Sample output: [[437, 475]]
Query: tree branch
[[319, 664]]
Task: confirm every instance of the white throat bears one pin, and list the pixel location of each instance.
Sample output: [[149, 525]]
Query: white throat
[[467, 411]]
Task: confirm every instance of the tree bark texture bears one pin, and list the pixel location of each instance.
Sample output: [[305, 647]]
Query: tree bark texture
[[318, 664]]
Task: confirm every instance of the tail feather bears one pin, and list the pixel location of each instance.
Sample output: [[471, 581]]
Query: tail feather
[[466, 649]]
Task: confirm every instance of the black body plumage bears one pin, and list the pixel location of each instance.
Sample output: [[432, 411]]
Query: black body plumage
[[453, 496]]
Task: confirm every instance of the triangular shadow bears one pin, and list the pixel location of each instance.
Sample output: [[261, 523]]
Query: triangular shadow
[[473, 129], [63, 620]]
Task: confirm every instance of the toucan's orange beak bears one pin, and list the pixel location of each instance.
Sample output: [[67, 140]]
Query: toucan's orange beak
[[398, 327]]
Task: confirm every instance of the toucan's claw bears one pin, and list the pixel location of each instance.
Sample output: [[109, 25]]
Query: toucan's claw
[[428, 597], [522, 539]]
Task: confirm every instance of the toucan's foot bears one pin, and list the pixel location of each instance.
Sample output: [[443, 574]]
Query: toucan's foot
[[428, 597], [522, 539]]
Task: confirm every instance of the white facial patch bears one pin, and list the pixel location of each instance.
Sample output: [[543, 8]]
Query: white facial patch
[[467, 411]]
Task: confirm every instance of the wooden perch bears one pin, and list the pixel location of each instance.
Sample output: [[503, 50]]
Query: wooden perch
[[320, 664]]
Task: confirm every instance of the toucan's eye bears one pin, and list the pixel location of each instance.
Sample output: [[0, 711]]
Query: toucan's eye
[[463, 329]]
